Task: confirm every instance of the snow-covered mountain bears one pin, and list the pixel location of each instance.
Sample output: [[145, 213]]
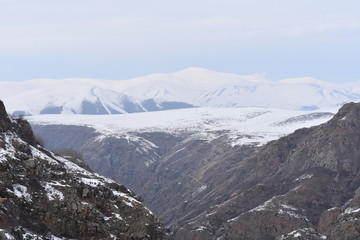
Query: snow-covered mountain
[[74, 96], [187, 88]]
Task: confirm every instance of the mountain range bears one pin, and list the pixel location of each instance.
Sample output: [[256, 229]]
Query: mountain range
[[192, 87], [250, 158]]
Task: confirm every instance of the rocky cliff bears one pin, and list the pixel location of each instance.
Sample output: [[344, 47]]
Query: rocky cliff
[[46, 196], [302, 186]]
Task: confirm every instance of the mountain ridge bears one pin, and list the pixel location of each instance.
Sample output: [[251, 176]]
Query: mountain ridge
[[192, 87]]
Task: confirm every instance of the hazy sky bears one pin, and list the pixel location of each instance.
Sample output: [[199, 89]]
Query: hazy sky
[[116, 39]]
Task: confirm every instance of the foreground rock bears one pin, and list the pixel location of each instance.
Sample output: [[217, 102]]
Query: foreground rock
[[45, 196]]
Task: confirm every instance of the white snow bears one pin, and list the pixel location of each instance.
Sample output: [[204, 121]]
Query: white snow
[[37, 153], [8, 150], [128, 199], [209, 214], [91, 182], [7, 235], [266, 205], [52, 193], [351, 210], [56, 238], [303, 177], [292, 214], [115, 215], [248, 125], [3, 154], [200, 87], [200, 229], [72, 167], [202, 188], [286, 206], [300, 232], [283, 208], [20, 191]]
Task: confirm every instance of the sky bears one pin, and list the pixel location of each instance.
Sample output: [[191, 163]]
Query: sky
[[116, 39]]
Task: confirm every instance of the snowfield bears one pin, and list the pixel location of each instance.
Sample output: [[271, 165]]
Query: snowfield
[[247, 125]]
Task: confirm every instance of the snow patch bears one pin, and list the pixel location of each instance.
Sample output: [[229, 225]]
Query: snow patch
[[266, 205], [91, 182], [7, 235], [72, 167], [301, 232], [200, 229], [303, 177], [351, 210], [210, 214], [128, 199], [3, 155], [202, 188], [20, 191], [245, 125], [51, 192], [117, 216], [38, 154]]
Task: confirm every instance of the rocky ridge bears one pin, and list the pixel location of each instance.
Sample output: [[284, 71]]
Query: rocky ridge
[[46, 196], [302, 186]]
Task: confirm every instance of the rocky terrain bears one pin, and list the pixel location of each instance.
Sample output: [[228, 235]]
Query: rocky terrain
[[46, 196], [302, 186]]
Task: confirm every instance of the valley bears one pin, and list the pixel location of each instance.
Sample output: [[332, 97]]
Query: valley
[[183, 163]]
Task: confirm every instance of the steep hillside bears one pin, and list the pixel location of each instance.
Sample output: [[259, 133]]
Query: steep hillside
[[46, 196], [302, 186]]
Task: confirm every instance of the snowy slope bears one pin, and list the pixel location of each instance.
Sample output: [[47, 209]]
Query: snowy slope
[[55, 197], [251, 125], [194, 86], [69, 96]]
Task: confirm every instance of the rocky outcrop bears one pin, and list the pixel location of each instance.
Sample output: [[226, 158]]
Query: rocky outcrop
[[46, 196]]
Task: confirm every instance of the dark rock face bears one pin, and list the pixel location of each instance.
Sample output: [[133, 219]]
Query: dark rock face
[[4, 118], [43, 196], [302, 181]]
